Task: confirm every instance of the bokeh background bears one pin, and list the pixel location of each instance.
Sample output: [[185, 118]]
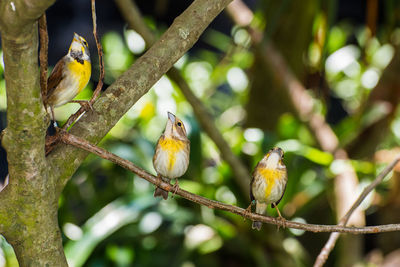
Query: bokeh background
[[339, 50]]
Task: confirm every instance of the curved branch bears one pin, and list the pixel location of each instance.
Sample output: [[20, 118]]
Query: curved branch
[[330, 244], [240, 172], [387, 95], [134, 83], [242, 177], [346, 182], [85, 145]]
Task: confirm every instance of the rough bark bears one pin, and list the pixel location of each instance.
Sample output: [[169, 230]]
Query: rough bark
[[28, 211], [28, 218], [33, 227], [132, 15], [134, 83]]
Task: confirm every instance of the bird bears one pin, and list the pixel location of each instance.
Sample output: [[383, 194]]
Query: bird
[[268, 183], [70, 75], [171, 157]]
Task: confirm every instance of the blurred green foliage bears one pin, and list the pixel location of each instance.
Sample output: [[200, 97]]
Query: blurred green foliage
[[108, 216]]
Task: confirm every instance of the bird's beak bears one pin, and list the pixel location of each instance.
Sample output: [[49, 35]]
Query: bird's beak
[[278, 151], [76, 37], [171, 117]]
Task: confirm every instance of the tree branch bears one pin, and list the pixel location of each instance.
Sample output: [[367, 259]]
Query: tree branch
[[4, 207], [323, 255], [387, 95], [44, 46], [345, 183], [85, 145], [17, 16], [134, 83], [24, 135], [30, 223], [239, 171], [135, 21], [133, 17]]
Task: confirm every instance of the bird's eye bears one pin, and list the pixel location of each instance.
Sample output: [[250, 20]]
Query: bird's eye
[[85, 42], [179, 124]]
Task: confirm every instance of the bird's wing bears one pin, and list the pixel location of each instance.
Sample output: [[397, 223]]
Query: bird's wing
[[155, 151], [283, 192], [252, 181], [55, 78]]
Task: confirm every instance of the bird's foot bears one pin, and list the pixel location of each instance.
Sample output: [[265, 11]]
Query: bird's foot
[[280, 219], [85, 104], [175, 187], [247, 211]]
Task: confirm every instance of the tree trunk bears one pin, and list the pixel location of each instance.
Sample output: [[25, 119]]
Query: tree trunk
[[29, 204], [35, 234]]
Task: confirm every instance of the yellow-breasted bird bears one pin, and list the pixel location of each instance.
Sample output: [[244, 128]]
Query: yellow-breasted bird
[[171, 157], [70, 75], [268, 184]]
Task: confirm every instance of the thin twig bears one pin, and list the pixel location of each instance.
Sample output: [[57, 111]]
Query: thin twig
[[85, 145], [239, 171], [129, 87], [323, 255], [135, 21], [346, 182], [100, 53], [100, 83], [43, 58]]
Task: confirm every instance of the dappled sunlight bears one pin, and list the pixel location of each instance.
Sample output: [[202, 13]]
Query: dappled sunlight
[[316, 80], [135, 42], [150, 222]]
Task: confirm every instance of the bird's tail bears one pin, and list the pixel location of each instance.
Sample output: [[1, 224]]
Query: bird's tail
[[260, 209], [161, 192]]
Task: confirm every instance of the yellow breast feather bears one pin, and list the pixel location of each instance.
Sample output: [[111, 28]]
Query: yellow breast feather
[[270, 176], [172, 146], [81, 71]]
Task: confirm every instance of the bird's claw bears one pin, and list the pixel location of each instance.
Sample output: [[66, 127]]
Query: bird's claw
[[280, 217], [175, 187], [85, 104], [247, 211]]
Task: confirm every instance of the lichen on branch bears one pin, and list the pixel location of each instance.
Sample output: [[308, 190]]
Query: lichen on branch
[[135, 82]]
